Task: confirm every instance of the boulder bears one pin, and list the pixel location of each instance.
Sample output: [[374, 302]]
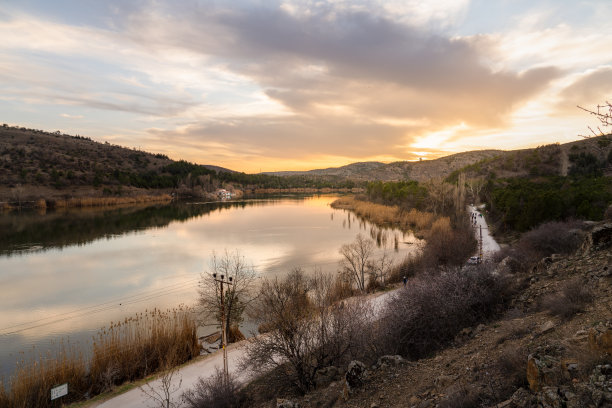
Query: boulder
[[392, 361], [541, 371], [600, 339], [355, 376]]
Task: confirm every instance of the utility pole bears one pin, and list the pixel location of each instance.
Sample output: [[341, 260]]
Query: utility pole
[[480, 244], [222, 282]]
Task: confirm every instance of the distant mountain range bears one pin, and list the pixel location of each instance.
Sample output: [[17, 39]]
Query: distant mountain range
[[401, 170], [553, 159]]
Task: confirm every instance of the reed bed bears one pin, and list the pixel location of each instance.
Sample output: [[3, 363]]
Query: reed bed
[[80, 202], [383, 215], [125, 351]]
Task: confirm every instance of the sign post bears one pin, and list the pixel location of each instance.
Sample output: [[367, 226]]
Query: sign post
[[59, 391]]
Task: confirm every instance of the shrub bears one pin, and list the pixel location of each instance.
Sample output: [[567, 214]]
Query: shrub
[[433, 309], [310, 332], [448, 246], [213, 392], [512, 365], [461, 397], [572, 298]]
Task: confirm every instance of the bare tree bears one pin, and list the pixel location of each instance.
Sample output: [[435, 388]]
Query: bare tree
[[440, 196], [475, 186], [380, 268], [603, 114], [310, 333], [214, 392], [355, 261], [162, 393], [236, 296]]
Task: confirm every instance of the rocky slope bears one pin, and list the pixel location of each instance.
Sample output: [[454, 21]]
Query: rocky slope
[[532, 356]]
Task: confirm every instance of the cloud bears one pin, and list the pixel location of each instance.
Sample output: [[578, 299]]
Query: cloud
[[268, 81], [69, 116], [589, 89]]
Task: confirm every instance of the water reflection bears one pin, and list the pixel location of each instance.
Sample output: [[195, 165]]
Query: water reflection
[[71, 273], [33, 231]]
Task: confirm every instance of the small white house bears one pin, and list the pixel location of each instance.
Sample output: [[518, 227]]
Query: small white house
[[223, 194]]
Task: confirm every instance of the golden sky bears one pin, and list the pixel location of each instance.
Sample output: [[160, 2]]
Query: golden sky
[[295, 85]]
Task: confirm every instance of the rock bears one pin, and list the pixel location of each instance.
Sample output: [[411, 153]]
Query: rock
[[392, 361], [551, 398], [570, 368], [540, 371], [374, 405], [444, 381], [600, 339], [285, 403], [522, 398], [354, 377], [546, 327], [325, 376]]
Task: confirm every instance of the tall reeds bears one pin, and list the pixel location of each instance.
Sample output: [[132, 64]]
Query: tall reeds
[[79, 202], [125, 351], [384, 215]]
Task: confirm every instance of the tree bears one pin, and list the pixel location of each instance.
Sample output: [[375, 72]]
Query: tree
[[236, 296], [380, 268], [603, 114], [355, 261], [310, 332], [161, 390]]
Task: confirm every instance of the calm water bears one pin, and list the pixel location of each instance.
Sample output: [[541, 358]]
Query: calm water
[[66, 275]]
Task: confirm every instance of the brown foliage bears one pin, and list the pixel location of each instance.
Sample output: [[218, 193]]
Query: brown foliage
[[447, 246]]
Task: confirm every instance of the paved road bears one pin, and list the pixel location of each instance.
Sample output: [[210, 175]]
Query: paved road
[[489, 245]]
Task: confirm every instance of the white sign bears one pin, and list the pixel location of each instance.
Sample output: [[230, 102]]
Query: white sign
[[59, 391]]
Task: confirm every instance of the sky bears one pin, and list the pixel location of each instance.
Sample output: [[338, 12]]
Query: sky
[[269, 85]]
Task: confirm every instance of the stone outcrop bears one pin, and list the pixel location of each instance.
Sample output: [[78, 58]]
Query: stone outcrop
[[355, 376], [600, 338]]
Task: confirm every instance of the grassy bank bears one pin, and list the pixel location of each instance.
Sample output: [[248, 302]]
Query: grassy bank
[[85, 202], [125, 351], [383, 215]]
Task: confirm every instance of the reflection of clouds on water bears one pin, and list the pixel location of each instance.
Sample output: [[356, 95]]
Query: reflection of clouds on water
[[100, 280]]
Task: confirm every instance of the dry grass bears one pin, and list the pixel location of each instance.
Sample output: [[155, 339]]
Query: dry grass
[[383, 215], [80, 202], [125, 351]]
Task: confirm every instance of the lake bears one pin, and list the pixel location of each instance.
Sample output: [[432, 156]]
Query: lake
[[65, 275]]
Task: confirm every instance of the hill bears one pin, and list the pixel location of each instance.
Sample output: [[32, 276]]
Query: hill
[[37, 164], [401, 170], [553, 159]]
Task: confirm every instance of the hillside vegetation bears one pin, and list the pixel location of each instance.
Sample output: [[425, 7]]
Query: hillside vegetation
[[39, 164]]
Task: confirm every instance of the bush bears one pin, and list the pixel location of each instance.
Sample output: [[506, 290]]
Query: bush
[[572, 298], [447, 246], [512, 365], [547, 239], [213, 392], [432, 309], [310, 331]]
